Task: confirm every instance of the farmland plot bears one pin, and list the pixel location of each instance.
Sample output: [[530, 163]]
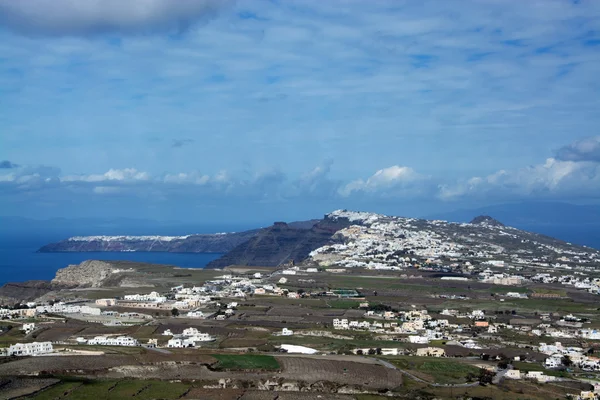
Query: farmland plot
[[370, 376]]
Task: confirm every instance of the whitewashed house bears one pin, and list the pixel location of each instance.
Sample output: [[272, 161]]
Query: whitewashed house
[[27, 328], [30, 349], [195, 314], [116, 341]]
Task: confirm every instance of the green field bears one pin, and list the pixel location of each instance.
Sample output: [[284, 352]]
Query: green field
[[438, 370], [114, 389], [12, 336], [330, 344], [245, 362], [526, 367]]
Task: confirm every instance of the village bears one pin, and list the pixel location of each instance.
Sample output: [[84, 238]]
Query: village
[[396, 294], [429, 332]]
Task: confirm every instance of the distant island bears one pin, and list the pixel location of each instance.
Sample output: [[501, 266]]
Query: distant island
[[204, 243]]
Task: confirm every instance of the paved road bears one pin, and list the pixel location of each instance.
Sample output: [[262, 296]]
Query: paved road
[[500, 374], [416, 378]]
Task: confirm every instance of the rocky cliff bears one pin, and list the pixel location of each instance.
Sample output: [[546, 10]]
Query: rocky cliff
[[282, 243], [90, 273], [18, 292]]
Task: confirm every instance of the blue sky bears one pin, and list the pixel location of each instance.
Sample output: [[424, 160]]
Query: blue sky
[[211, 110]]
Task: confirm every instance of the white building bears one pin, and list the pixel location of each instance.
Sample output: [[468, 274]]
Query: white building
[[30, 349], [61, 308], [195, 314], [116, 341], [418, 339], [286, 332], [154, 297], [554, 361], [340, 324], [28, 327], [180, 342]]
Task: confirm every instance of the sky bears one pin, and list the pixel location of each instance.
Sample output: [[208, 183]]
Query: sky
[[253, 110]]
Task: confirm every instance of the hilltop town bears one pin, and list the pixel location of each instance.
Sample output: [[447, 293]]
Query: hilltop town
[[385, 307]]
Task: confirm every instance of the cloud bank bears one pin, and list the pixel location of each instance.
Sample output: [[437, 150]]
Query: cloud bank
[[587, 149], [89, 17], [5, 164], [271, 189]]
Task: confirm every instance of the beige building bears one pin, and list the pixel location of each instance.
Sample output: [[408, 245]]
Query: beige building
[[106, 302], [431, 352], [513, 374]]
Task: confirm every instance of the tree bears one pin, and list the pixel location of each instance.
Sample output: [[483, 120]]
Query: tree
[[485, 376], [359, 352], [371, 352], [174, 312], [566, 361]]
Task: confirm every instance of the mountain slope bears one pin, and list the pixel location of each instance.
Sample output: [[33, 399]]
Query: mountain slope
[[381, 241], [281, 243]]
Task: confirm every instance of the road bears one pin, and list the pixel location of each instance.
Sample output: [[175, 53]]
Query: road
[[500, 374]]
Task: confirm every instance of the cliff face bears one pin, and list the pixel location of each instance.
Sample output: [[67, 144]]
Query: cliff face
[[90, 273], [209, 243], [17, 292], [281, 243]]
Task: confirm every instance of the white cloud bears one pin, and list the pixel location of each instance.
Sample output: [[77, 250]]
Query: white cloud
[[182, 178], [82, 17], [552, 179], [394, 176], [587, 149], [127, 174], [106, 190]]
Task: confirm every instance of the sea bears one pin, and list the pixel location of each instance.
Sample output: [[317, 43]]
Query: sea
[[20, 261]]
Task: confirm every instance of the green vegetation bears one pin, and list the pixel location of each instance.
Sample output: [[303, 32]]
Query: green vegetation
[[246, 361], [59, 391], [113, 389], [11, 336], [559, 292], [525, 367], [343, 304], [329, 344], [438, 370], [505, 289]]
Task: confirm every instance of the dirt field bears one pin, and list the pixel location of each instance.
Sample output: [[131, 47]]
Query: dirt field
[[370, 376]]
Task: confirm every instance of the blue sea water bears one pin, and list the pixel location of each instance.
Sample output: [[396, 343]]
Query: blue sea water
[[19, 260]]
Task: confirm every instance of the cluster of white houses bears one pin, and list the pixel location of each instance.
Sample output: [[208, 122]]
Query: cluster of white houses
[[190, 337], [109, 341], [27, 349]]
